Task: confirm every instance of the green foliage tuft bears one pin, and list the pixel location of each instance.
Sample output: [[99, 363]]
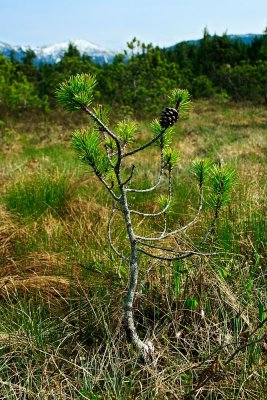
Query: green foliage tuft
[[155, 126], [201, 169], [167, 138], [87, 144], [126, 130], [76, 92], [163, 202], [171, 157], [222, 179], [102, 112], [181, 99], [110, 144]]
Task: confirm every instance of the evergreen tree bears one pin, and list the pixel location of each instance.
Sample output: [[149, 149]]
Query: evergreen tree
[[106, 153]]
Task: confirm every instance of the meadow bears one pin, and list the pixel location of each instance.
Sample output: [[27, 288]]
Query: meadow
[[62, 287]]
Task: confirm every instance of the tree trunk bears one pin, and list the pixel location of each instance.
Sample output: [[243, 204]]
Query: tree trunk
[[146, 348]]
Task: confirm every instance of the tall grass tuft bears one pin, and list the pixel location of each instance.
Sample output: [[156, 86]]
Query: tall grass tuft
[[33, 195]]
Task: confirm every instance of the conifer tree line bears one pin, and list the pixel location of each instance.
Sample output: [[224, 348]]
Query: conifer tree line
[[215, 67]]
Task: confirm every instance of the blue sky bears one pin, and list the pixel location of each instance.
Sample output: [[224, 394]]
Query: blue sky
[[112, 23]]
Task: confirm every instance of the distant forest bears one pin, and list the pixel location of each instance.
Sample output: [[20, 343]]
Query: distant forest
[[138, 81]]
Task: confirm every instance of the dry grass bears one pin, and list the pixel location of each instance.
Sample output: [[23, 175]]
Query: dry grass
[[48, 286], [62, 288]]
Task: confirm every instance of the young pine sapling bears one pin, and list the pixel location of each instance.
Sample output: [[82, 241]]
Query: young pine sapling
[[106, 152]]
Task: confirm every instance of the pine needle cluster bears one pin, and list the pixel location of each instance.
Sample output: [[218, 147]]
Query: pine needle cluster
[[76, 92]]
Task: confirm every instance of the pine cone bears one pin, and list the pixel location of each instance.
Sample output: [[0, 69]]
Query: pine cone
[[168, 117]]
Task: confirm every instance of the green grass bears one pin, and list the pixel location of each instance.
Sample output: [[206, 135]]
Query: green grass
[[62, 337], [32, 196]]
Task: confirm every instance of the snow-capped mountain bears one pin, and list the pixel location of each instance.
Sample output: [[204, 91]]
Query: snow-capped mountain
[[54, 53]]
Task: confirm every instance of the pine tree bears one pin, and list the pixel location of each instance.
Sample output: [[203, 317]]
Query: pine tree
[[106, 152]]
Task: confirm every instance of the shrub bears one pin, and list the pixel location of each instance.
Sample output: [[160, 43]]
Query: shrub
[[202, 87]]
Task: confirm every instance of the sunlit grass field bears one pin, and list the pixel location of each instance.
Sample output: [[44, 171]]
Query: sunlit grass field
[[62, 287]]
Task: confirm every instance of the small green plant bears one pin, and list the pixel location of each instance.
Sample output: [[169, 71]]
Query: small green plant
[[107, 153]]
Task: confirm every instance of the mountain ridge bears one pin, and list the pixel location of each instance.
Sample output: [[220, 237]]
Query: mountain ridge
[[246, 38], [53, 53]]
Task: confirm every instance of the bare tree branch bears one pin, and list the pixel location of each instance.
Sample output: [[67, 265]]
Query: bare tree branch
[[167, 249], [162, 166], [130, 177], [185, 227], [144, 146], [110, 239], [111, 134], [102, 180], [102, 125], [164, 258], [165, 224], [164, 210], [212, 225], [164, 235]]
